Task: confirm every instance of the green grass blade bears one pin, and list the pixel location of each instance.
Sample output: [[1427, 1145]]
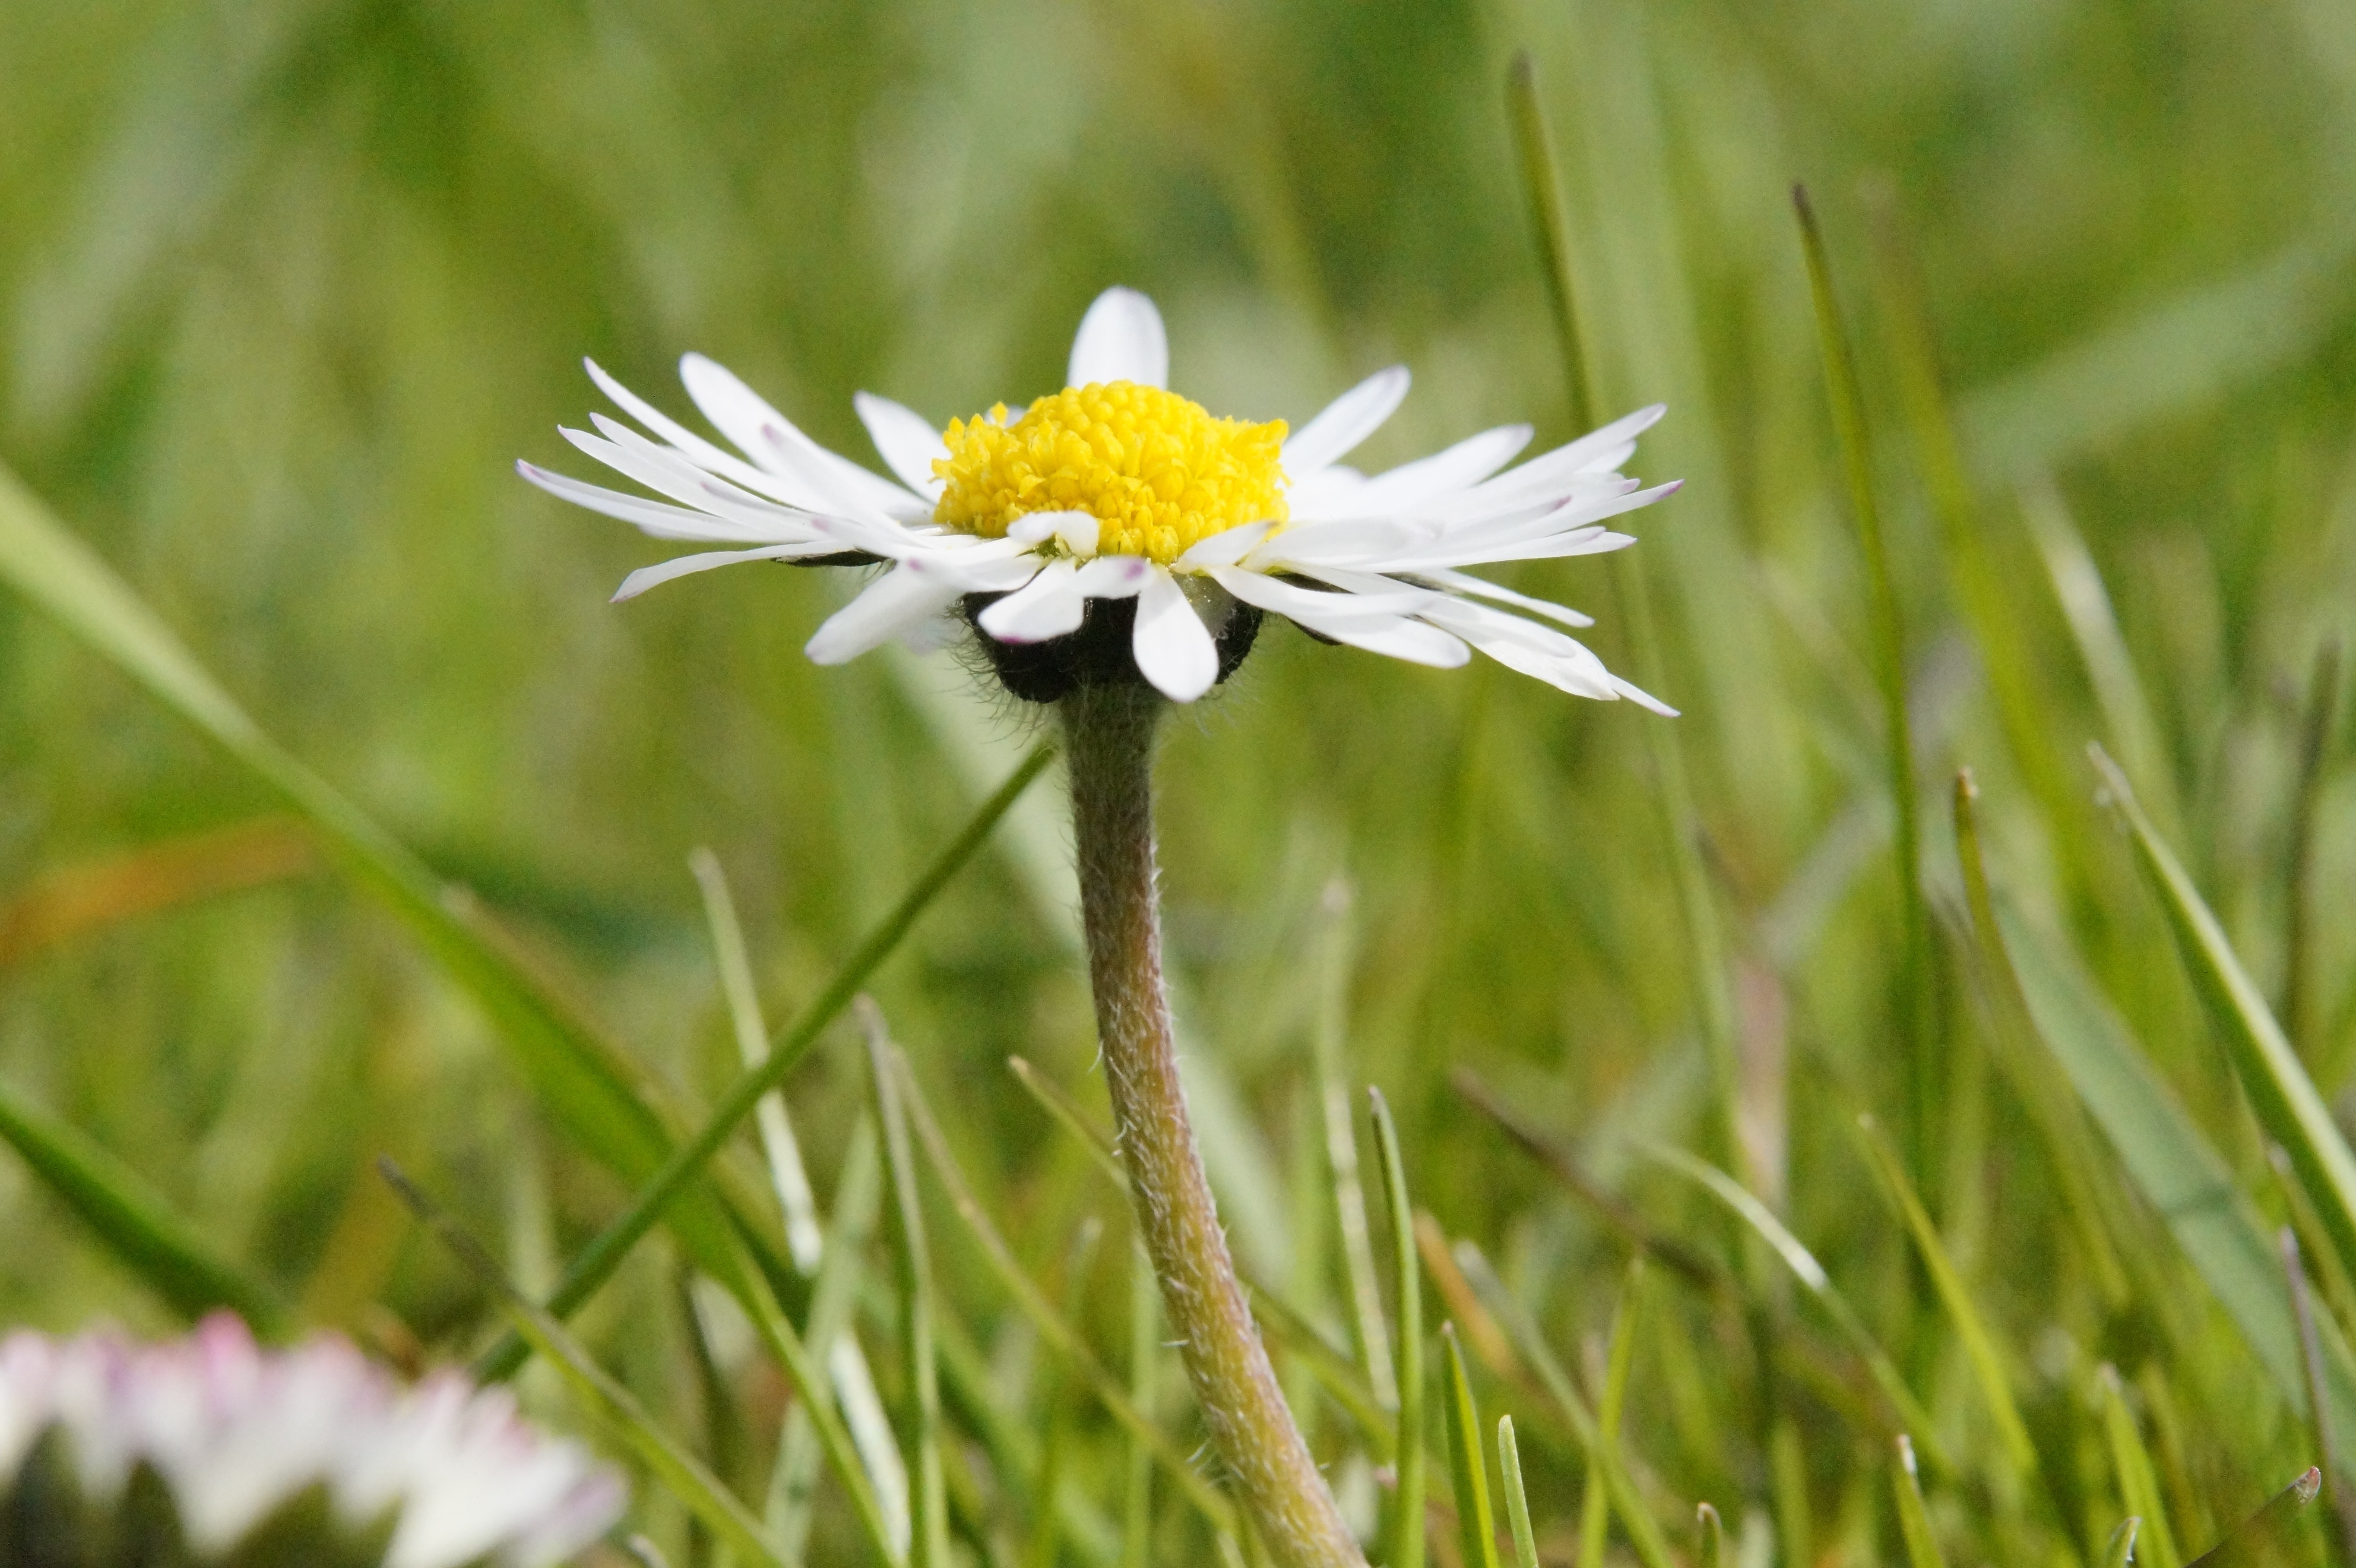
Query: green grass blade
[[1979, 1345], [1989, 604], [2298, 999], [1913, 1523], [1643, 1530], [2121, 1549], [2339, 1551], [2138, 1480], [2184, 1178], [1368, 1334], [679, 1471], [1292, 1333], [1614, 1210], [1054, 1332], [2039, 1084], [164, 1250], [1849, 428], [912, 1265], [1406, 1542], [596, 1262], [793, 1490], [2270, 1538], [1910, 1416], [1144, 1352], [1665, 743], [1476, 1521], [2279, 1089], [2086, 606], [1517, 1497], [1713, 1535], [588, 1086], [804, 1241], [1542, 189], [1594, 1516]]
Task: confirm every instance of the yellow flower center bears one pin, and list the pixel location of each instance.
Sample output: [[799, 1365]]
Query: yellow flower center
[[1157, 472]]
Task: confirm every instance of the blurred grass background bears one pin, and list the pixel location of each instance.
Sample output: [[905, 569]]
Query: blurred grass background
[[286, 287]]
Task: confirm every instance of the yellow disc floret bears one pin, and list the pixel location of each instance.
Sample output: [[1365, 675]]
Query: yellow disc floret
[[1157, 472]]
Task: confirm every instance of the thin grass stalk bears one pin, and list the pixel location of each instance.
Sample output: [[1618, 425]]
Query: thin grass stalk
[[1913, 1521], [2270, 1536], [2339, 1541], [1110, 730], [1405, 1544], [1989, 604], [1047, 1534], [792, 1488], [1368, 1335], [1665, 743], [1144, 1350], [1476, 1523], [2119, 691], [1054, 1332], [679, 1472], [2041, 1085], [1912, 1418], [1595, 1518], [1332, 1366], [920, 1415], [846, 1362], [1517, 1497], [1713, 1535], [1849, 428], [2284, 1099], [1643, 1532], [1979, 1344], [595, 1263], [2299, 1006], [2138, 1480]]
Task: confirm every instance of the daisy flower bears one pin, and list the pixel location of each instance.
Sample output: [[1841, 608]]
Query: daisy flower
[[1116, 530], [231, 1440]]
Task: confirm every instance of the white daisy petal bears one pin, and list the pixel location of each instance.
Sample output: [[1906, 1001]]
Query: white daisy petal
[[666, 472], [1222, 548], [1120, 339], [1465, 582], [1344, 422], [975, 571], [1643, 699], [1078, 530], [1582, 540], [888, 606], [1560, 661], [774, 442], [1173, 648], [655, 576], [1053, 603], [1115, 576], [1315, 607], [657, 518], [1049, 606], [907, 440], [698, 451], [1402, 638], [1346, 542], [1428, 479]]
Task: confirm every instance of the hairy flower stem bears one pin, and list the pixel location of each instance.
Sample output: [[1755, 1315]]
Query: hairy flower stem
[[1110, 731]]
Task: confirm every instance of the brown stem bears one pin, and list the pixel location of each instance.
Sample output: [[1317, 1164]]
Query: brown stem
[[1110, 731]]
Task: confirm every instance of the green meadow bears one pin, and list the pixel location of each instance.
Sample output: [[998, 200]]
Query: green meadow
[[1764, 1095]]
